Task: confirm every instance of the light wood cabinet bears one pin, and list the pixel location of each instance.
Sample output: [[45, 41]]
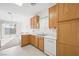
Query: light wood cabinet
[[36, 41], [67, 50], [68, 35], [32, 39], [53, 16], [35, 22], [24, 40], [68, 30], [41, 43], [68, 11]]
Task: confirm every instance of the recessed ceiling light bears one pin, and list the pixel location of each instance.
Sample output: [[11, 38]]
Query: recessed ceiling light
[[19, 4]]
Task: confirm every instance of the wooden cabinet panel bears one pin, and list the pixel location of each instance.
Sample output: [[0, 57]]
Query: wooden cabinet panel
[[24, 40], [32, 39], [68, 11], [36, 41], [35, 22], [41, 43], [60, 11], [53, 16], [69, 32], [67, 50], [31, 23]]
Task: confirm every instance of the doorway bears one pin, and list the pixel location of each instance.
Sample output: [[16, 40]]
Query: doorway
[[9, 38]]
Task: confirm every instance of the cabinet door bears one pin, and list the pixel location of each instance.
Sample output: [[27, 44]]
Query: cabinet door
[[68, 32], [53, 16], [24, 40], [68, 38], [32, 39], [67, 50], [36, 42], [35, 22], [68, 11], [31, 22], [41, 43]]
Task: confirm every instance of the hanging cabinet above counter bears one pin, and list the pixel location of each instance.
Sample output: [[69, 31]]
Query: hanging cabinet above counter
[[35, 22]]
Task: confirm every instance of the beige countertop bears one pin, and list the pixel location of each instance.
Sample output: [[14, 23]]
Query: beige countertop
[[41, 35]]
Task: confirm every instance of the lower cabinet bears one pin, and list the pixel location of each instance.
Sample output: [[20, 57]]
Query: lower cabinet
[[67, 50], [41, 43], [24, 40], [68, 38], [36, 41], [32, 39]]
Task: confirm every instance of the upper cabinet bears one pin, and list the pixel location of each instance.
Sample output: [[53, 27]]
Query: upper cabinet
[[53, 16], [68, 11], [35, 22]]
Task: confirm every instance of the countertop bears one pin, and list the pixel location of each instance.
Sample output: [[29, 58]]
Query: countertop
[[45, 36]]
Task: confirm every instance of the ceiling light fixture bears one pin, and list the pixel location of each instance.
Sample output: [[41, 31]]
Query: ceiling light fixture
[[19, 4]]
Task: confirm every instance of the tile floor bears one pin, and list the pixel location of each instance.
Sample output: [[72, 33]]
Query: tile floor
[[11, 47], [22, 51]]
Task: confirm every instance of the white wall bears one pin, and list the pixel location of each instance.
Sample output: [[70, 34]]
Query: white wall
[[43, 13], [20, 20], [0, 29], [26, 25], [13, 17], [18, 28]]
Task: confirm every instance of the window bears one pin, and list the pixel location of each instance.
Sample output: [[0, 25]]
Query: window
[[9, 29], [44, 22]]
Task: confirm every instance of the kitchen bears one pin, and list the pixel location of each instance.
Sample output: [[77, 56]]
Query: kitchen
[[36, 29], [41, 36], [39, 29]]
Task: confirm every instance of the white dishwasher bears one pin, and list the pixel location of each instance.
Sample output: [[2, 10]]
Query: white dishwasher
[[50, 46]]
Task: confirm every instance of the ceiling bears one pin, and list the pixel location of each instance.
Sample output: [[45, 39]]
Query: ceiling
[[25, 9], [15, 13]]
